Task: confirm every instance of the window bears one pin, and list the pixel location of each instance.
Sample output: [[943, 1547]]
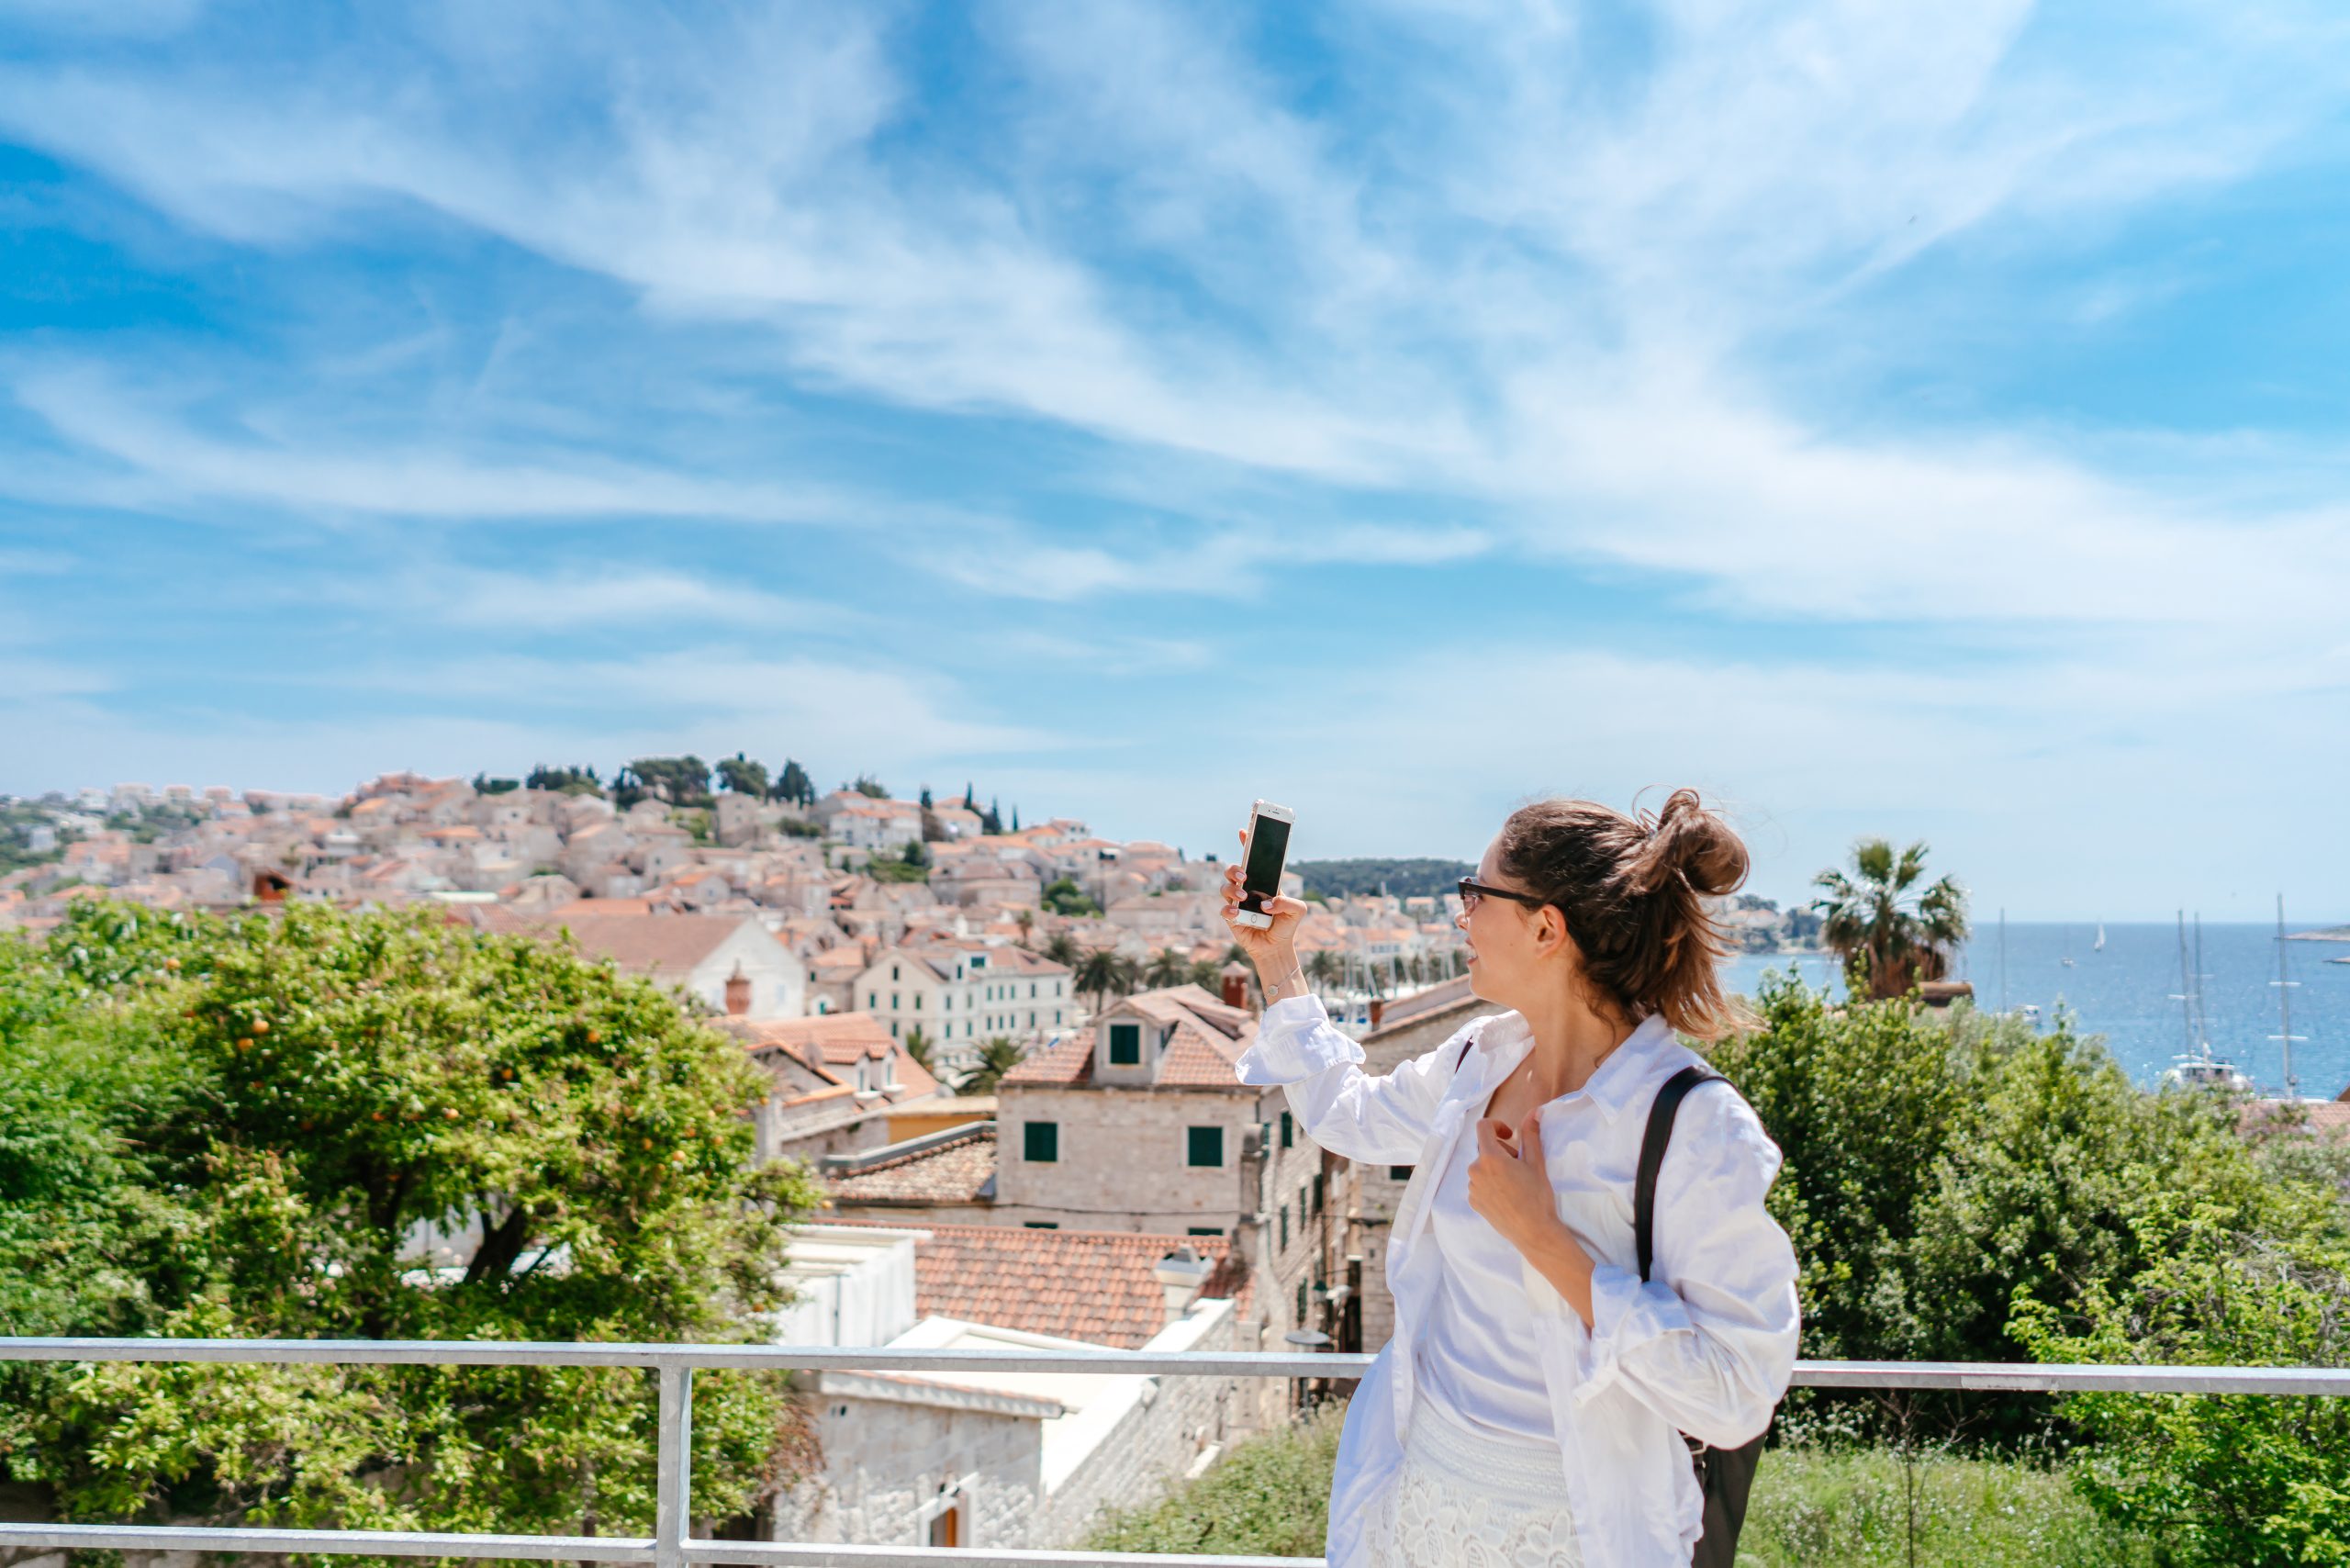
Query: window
[[1301, 1304], [893, 974], [1289, 1129], [1057, 1015], [1125, 1045], [873, 1001], [979, 960], [1032, 988], [1039, 1224], [1317, 1194], [893, 1001], [1203, 1230], [1207, 1146], [1399, 1173], [917, 1002], [1041, 1142], [1285, 1247]]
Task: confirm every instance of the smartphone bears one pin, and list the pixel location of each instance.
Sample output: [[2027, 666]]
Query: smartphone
[[1268, 850]]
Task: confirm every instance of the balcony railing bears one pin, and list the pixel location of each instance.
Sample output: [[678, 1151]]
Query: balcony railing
[[672, 1544]]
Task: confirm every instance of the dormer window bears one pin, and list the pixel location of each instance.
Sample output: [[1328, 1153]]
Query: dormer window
[[1125, 1045]]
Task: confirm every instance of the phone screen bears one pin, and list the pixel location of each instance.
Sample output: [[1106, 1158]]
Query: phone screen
[[1268, 849]]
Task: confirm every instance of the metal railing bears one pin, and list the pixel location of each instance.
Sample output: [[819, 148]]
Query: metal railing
[[672, 1544]]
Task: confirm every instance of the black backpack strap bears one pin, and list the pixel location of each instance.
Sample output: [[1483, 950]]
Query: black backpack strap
[[1652, 1146]]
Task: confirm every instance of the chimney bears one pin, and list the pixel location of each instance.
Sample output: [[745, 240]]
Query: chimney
[[1236, 985], [1378, 1010], [738, 992], [1180, 1276]]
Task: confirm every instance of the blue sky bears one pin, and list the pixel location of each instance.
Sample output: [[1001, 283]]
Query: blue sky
[[1924, 420]]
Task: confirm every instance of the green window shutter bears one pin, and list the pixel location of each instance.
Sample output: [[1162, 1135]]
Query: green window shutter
[[1284, 1227], [1040, 1142], [1301, 1303], [1203, 1230], [1040, 1225], [1289, 1130], [1399, 1173], [1125, 1045], [1207, 1146]]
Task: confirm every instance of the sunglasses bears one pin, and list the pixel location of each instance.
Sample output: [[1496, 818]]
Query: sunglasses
[[1472, 891]]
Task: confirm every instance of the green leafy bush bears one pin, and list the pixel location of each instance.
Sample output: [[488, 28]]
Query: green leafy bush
[[2255, 1481], [252, 1128]]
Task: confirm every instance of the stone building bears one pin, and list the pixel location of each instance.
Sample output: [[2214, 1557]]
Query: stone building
[[1001, 1460]]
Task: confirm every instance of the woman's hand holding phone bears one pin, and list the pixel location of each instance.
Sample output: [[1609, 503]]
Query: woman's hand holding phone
[[1271, 949]]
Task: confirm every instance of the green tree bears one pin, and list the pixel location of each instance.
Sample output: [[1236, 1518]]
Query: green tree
[[793, 785], [1026, 920], [675, 781], [998, 1055], [870, 787], [563, 780], [1064, 896], [2235, 1480], [1890, 932], [738, 775], [1322, 968], [1167, 967], [1208, 975], [485, 785], [1103, 970], [919, 1048], [1064, 950], [272, 1114]]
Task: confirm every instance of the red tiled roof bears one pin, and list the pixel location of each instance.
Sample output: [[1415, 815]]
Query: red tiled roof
[[949, 1172], [1209, 1038], [1090, 1285], [838, 1039], [2325, 1116]]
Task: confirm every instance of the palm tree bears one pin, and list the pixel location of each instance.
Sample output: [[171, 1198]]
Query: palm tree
[[998, 1055], [1027, 919], [1321, 967], [918, 1046], [1103, 970], [1208, 975], [1166, 968], [1063, 949], [1891, 933]]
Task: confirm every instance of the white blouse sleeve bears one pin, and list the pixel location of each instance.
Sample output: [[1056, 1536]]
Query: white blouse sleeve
[[1709, 1341], [1381, 1119]]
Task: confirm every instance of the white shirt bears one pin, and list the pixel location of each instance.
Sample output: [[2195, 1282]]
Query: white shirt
[[1707, 1347], [1476, 1356]]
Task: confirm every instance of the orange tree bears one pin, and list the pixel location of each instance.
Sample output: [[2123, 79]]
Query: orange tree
[[381, 1126]]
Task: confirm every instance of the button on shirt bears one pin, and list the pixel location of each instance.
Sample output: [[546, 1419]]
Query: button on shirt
[[1706, 1346]]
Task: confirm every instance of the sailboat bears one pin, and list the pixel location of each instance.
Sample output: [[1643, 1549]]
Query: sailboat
[[2099, 946], [2197, 1067]]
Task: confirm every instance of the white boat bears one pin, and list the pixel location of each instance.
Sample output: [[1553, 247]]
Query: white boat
[[2197, 1067], [2099, 946]]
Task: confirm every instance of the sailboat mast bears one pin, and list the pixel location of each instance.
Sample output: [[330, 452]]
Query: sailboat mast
[[2284, 984], [2186, 988], [2003, 958]]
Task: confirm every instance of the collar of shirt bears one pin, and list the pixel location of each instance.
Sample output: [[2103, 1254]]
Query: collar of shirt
[[1617, 1080]]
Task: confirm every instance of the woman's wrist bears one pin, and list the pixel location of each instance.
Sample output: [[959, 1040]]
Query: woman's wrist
[[1280, 976]]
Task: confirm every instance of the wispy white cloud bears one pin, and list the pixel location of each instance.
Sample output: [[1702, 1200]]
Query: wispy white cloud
[[168, 460]]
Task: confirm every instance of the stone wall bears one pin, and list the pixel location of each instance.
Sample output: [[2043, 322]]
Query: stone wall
[[1123, 1158], [1159, 1440], [886, 1459]]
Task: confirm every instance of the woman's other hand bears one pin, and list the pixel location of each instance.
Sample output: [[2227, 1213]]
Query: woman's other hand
[[1510, 1185]]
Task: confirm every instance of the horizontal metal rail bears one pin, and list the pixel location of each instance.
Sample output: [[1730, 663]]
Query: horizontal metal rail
[[672, 1544]]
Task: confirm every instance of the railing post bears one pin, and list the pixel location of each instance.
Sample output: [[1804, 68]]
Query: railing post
[[672, 1506]]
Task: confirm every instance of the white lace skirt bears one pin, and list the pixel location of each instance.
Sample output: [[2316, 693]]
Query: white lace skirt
[[1469, 1498]]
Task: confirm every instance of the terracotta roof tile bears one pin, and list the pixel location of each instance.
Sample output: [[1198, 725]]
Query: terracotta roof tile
[[1090, 1285], [950, 1172]]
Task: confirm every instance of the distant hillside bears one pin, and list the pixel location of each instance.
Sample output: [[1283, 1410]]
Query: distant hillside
[[1404, 879]]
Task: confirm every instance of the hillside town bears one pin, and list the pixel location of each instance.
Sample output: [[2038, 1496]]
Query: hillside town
[[1101, 1179]]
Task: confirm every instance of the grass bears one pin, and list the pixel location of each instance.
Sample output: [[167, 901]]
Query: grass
[[1813, 1506]]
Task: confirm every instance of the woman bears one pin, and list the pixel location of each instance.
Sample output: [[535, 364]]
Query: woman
[[1530, 1406]]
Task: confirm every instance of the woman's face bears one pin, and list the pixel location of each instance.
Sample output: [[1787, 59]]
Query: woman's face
[[1510, 944]]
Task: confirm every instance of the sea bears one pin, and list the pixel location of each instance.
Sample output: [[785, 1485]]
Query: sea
[[2128, 992]]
